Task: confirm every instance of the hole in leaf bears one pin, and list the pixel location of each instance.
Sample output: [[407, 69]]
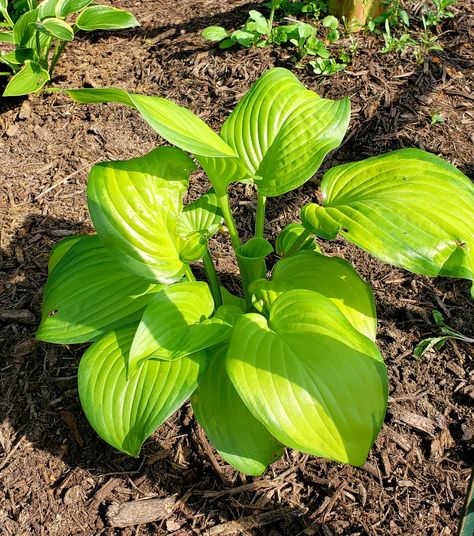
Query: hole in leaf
[[53, 312]]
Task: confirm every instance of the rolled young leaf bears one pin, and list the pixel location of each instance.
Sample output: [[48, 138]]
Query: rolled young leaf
[[30, 79], [87, 294], [238, 436], [409, 208], [316, 383], [126, 412], [333, 277], [203, 215], [289, 235], [99, 17], [282, 131], [135, 204]]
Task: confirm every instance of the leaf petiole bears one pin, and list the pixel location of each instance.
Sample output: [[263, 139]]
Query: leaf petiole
[[212, 278], [298, 242], [260, 217], [223, 200], [189, 273]]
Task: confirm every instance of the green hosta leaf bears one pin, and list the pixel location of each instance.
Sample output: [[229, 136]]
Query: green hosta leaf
[[333, 277], [231, 299], [194, 247], [19, 56], [60, 249], [203, 215], [126, 412], [238, 436], [99, 17], [87, 294], [135, 205], [288, 238], [31, 78], [282, 131], [47, 8], [66, 7], [176, 323], [180, 127], [24, 28], [215, 33], [56, 28], [408, 208], [7, 37], [315, 382]]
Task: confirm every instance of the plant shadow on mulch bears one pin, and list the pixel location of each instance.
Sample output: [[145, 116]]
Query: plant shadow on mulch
[[419, 464]]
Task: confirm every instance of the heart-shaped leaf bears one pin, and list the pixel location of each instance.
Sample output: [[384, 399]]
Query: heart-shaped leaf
[[282, 131], [333, 277], [179, 126], [99, 17], [316, 383], [239, 437], [87, 294], [126, 412], [135, 205], [409, 208], [30, 79]]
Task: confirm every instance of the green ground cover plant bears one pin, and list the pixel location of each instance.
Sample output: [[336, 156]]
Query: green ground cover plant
[[293, 361], [40, 34]]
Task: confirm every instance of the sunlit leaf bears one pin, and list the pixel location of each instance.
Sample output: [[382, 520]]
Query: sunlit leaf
[[97, 17], [316, 383], [126, 412], [30, 79]]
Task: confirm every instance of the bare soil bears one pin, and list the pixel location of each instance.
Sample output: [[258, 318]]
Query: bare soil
[[56, 476]]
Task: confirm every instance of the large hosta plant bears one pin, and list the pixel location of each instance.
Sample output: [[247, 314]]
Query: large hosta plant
[[293, 362]]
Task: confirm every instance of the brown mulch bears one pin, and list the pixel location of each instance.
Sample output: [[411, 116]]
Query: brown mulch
[[56, 476]]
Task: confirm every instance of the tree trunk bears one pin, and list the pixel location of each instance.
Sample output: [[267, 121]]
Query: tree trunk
[[358, 10]]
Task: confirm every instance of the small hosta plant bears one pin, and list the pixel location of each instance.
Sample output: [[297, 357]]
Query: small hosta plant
[[38, 37], [293, 362]]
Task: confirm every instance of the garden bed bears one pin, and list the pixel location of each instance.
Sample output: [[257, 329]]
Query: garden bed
[[56, 476]]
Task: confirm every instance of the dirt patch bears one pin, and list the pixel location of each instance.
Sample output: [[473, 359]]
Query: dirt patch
[[56, 476]]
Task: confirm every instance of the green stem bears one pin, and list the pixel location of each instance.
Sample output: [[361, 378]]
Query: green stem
[[260, 217], [212, 278], [298, 243], [229, 219], [272, 16], [189, 273], [57, 53]]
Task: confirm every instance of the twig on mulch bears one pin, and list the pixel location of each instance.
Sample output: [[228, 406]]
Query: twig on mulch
[[255, 521], [139, 512], [23, 316]]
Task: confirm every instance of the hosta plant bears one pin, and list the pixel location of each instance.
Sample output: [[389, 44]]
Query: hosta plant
[[39, 36], [293, 362]]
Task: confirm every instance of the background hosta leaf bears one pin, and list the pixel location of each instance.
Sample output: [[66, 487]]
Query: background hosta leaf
[[179, 126], [66, 7], [31, 78], [408, 207], [282, 131], [239, 437], [168, 317], [203, 215], [24, 28], [99, 17], [87, 294], [47, 8], [135, 205], [333, 277], [125, 412], [315, 382], [56, 28]]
